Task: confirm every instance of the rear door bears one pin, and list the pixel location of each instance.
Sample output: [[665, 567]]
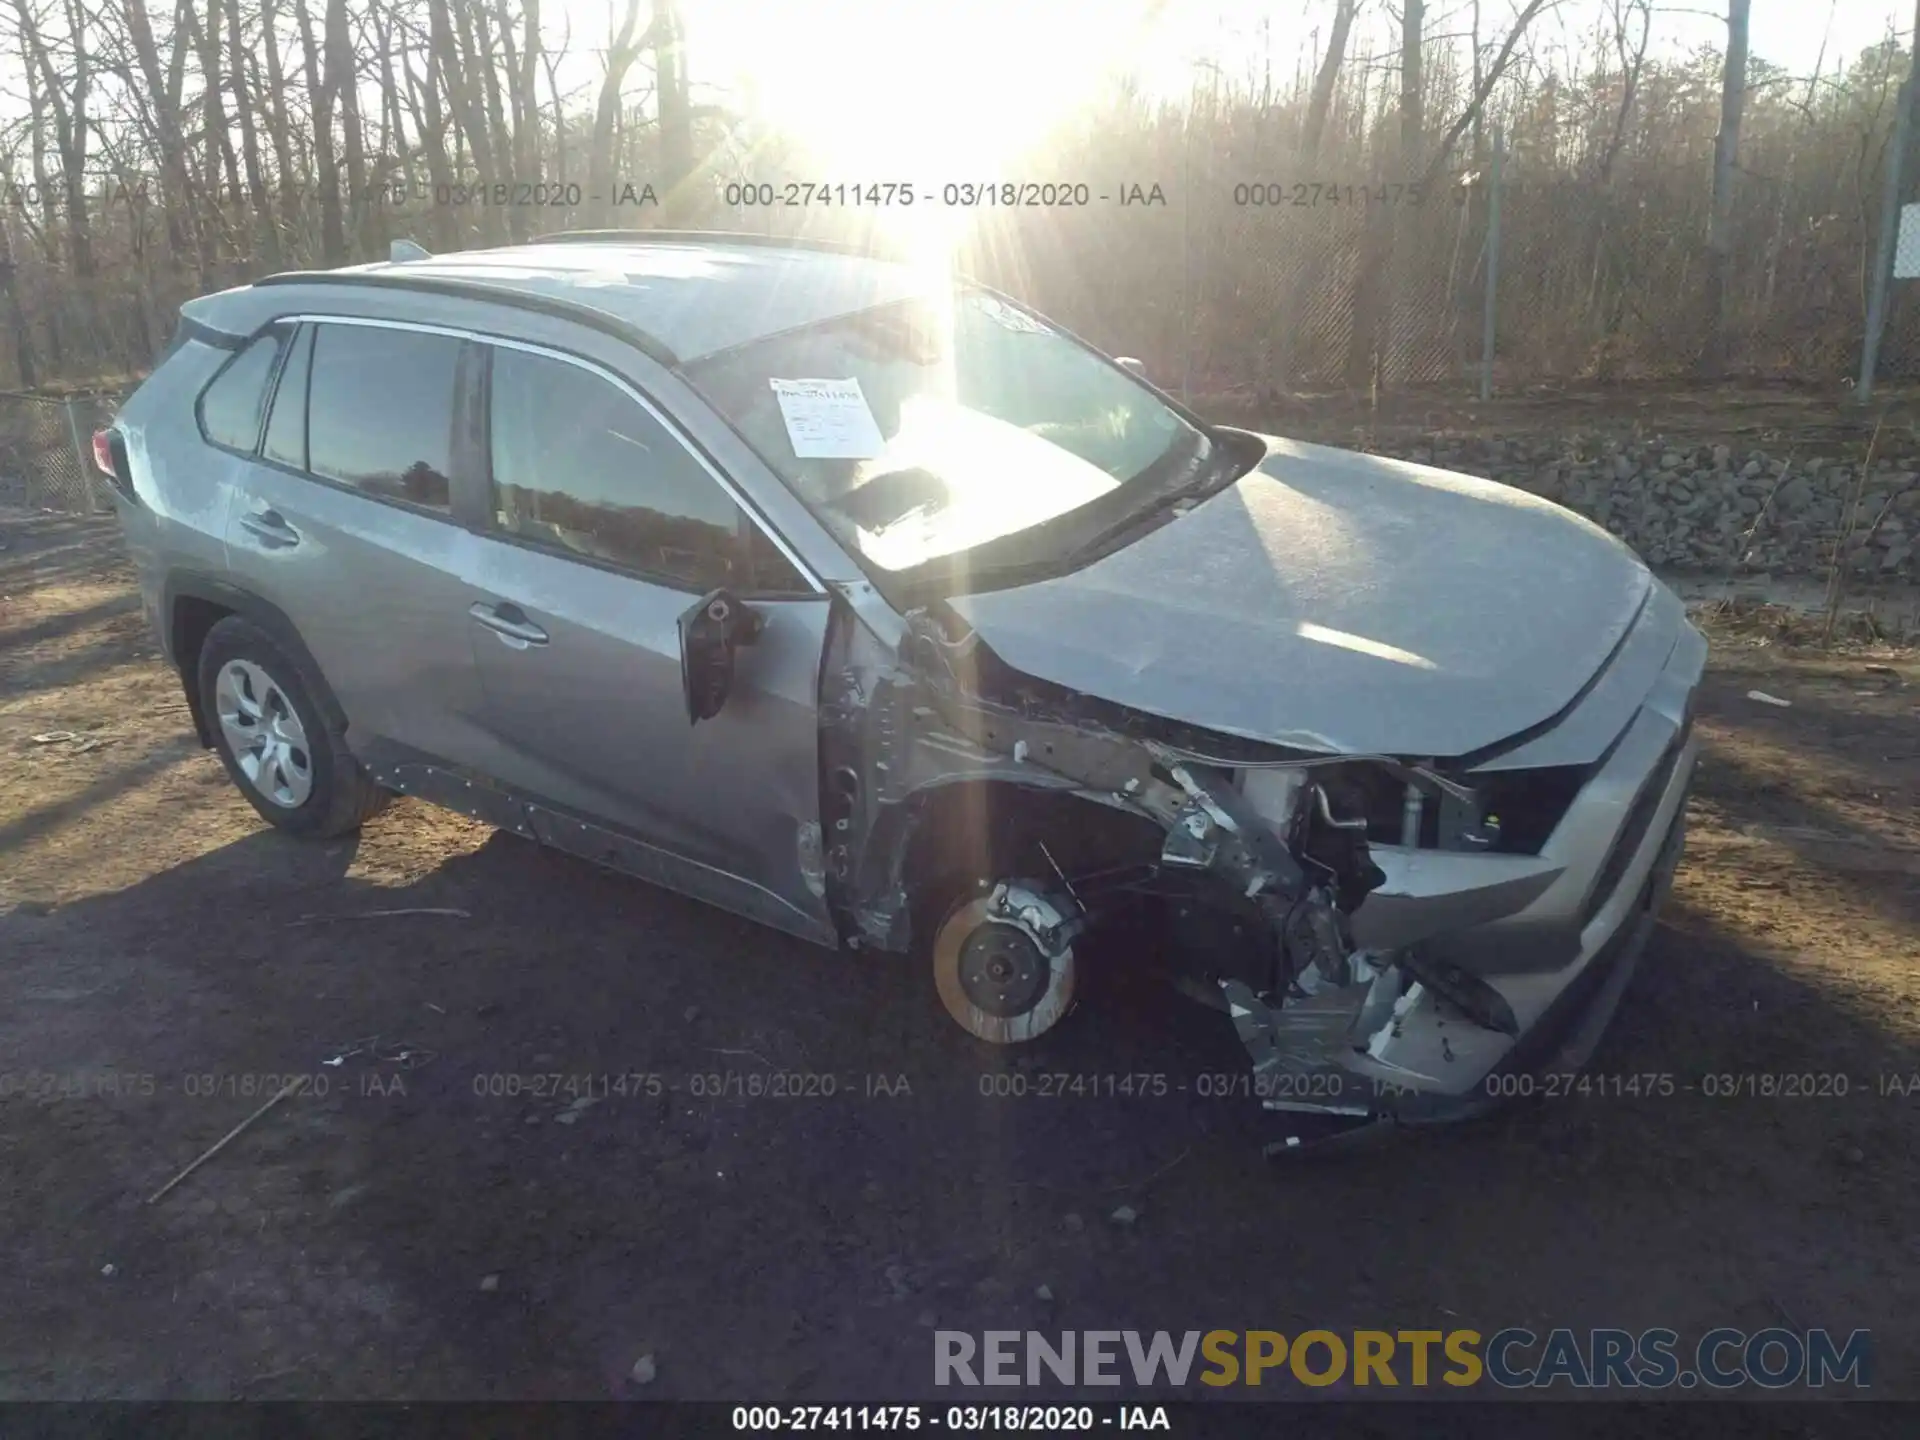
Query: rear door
[[344, 520], [604, 527]]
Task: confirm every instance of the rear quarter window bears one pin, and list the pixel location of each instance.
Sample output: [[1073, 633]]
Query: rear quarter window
[[234, 403]]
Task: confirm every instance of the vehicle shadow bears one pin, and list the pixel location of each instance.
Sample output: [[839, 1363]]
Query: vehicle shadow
[[777, 1170]]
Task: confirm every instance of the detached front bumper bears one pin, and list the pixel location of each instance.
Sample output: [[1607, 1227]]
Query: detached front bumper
[[1556, 937], [1564, 1035]]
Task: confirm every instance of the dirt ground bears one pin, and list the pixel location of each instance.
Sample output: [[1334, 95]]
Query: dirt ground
[[412, 1234]]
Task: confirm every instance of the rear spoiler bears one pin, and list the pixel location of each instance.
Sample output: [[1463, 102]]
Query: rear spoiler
[[197, 323]]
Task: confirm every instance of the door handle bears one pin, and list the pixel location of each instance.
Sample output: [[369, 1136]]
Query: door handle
[[508, 621], [270, 527]]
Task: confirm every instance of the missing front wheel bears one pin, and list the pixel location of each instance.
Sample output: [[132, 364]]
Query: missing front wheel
[[1003, 961]]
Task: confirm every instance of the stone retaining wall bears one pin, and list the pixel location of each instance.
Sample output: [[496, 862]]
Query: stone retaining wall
[[1710, 507]]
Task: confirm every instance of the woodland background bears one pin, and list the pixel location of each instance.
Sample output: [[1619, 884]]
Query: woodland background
[[159, 151]]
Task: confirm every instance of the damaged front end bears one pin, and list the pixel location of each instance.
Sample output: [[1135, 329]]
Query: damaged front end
[[963, 805]]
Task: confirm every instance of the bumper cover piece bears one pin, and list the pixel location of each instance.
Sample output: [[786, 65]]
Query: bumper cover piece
[[1561, 1040]]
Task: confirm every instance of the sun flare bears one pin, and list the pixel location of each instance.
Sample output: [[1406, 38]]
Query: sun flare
[[881, 91]]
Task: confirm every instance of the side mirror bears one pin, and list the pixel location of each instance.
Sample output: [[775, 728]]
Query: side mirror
[[709, 634], [1131, 365]]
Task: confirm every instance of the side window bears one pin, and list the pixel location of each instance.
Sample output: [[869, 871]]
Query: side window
[[233, 405], [578, 463], [286, 440], [380, 412], [773, 573]]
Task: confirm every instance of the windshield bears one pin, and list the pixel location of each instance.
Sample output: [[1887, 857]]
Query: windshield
[[920, 430]]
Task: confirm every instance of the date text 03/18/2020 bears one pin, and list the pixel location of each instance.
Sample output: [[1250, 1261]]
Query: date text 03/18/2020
[[960, 1419]]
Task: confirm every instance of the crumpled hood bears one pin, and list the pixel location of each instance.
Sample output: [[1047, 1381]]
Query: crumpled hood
[[1339, 602]]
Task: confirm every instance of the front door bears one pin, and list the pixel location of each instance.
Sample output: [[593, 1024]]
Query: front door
[[604, 528]]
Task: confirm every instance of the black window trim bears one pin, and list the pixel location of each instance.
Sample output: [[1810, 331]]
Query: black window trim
[[816, 590], [301, 333], [269, 387]]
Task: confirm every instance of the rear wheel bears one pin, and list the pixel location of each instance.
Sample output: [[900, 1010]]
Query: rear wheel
[[279, 747]]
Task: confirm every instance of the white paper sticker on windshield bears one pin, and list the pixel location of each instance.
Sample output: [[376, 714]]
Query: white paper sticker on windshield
[[828, 419]]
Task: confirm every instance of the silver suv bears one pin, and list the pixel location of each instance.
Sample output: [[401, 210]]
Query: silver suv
[[871, 605]]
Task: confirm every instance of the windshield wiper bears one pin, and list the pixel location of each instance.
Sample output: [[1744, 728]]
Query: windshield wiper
[[1193, 481], [1020, 558], [887, 498]]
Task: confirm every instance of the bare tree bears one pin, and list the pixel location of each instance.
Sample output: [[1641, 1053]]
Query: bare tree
[[550, 61], [1279, 345], [675, 106], [159, 94], [1328, 76], [305, 110], [217, 229], [1418, 165], [23, 352], [454, 52], [500, 139], [266, 236], [1490, 78], [522, 80], [46, 235], [1632, 56], [342, 79], [1372, 300], [1413, 100], [432, 124], [66, 92], [621, 54], [394, 155], [326, 167], [279, 126], [1726, 150]]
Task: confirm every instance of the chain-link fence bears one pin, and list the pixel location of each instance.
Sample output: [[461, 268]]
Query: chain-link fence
[[46, 451], [1230, 285], [1232, 255], [1196, 241]]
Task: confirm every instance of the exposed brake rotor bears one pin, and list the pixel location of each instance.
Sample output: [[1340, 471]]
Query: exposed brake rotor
[[1003, 962]]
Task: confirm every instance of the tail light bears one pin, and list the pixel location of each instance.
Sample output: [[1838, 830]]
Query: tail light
[[103, 454], [110, 459]]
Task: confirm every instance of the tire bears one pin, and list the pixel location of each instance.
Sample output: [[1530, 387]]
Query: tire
[[280, 749]]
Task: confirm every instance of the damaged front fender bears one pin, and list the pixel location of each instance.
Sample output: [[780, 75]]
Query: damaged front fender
[[902, 722], [1347, 1014]]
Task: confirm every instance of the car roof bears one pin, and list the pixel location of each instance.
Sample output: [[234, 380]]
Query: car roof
[[692, 296]]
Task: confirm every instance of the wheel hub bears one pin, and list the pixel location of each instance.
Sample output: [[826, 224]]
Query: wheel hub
[[1003, 962], [1002, 971]]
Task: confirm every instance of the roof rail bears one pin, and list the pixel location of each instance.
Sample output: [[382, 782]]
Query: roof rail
[[601, 320], [707, 237]]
